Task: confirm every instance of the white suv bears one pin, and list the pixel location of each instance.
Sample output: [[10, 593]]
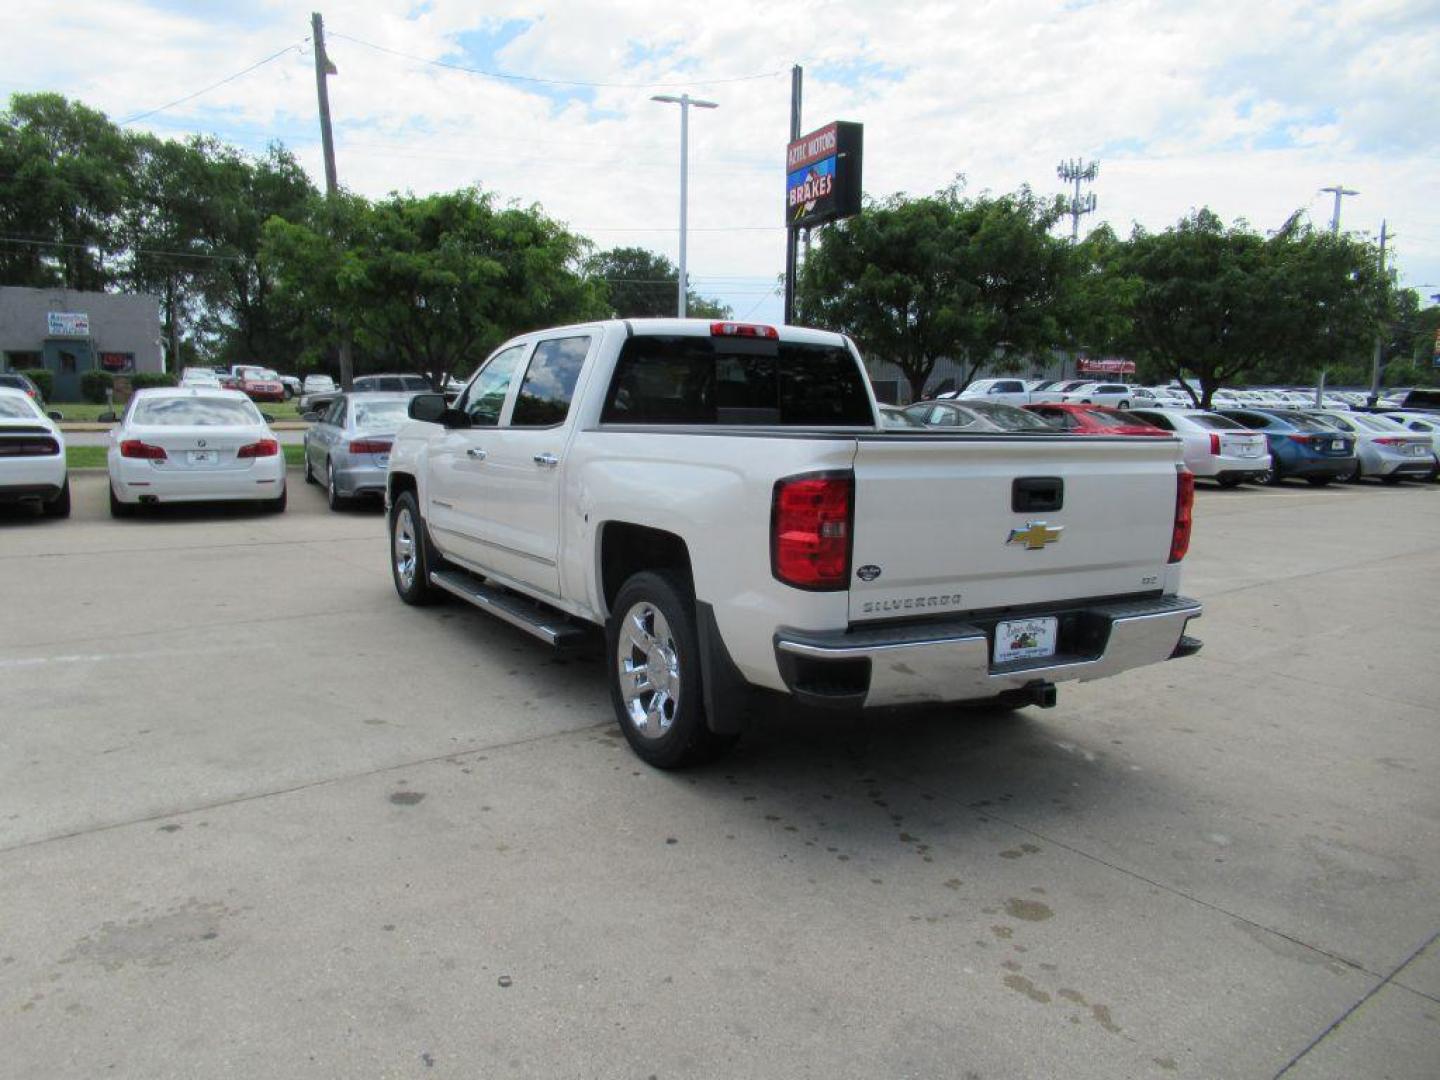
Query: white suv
[[1116, 395]]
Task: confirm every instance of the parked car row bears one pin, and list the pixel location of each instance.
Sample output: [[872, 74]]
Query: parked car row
[[1012, 391], [1230, 445]]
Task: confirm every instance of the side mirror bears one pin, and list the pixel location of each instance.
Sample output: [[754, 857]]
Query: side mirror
[[312, 416], [106, 418], [429, 408], [53, 415]]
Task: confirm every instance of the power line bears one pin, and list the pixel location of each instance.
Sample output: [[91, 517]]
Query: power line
[[229, 78], [549, 82]]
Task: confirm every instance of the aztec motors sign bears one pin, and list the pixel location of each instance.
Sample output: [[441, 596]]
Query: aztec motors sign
[[822, 175]]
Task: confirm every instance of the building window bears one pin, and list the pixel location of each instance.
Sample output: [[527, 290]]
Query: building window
[[21, 361], [118, 363]]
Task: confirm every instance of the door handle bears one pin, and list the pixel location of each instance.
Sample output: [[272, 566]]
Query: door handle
[[476, 453], [548, 460]]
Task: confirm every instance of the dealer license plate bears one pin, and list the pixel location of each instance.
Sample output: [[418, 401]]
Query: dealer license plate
[[1337, 444], [1025, 639], [1250, 450], [204, 457]]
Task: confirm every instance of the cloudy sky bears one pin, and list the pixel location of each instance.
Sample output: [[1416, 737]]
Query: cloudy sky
[[1249, 108]]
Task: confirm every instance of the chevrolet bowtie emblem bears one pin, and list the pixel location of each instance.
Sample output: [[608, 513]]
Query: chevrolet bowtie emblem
[[1035, 535]]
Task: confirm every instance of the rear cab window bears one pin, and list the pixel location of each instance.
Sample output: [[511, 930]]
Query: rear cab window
[[683, 379]]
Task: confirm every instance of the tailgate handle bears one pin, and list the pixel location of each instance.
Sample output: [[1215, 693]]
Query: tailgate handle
[[1030, 494]]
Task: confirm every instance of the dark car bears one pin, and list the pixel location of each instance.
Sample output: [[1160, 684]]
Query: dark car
[[1300, 445]]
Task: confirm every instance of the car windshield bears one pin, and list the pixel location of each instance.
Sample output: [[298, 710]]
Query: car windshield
[[1377, 423], [1218, 423], [370, 414], [17, 408], [1008, 417], [897, 418], [194, 412], [1307, 423], [1115, 420]]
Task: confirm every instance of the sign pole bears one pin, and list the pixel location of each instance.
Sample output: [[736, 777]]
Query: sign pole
[[791, 245]]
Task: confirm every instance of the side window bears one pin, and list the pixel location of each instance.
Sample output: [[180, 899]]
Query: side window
[[1158, 419], [486, 396], [549, 384], [335, 414]]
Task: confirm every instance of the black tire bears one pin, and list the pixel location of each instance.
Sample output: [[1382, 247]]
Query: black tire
[[1392, 479], [655, 610], [413, 586], [1124, 405], [277, 506], [333, 498], [1356, 475], [119, 509], [1229, 481], [59, 506], [309, 472], [1319, 481], [1271, 476]]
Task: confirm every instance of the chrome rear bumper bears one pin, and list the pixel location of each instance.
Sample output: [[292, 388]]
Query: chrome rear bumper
[[951, 661]]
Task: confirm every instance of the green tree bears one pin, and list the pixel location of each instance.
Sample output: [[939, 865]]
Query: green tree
[[916, 279], [428, 284], [643, 284], [65, 179]]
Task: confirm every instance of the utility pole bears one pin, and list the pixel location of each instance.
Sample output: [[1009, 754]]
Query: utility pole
[[797, 76], [1076, 171], [684, 101], [1339, 191], [1380, 327], [323, 68]]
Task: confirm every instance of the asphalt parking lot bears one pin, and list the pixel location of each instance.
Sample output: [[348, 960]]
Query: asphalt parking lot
[[258, 818]]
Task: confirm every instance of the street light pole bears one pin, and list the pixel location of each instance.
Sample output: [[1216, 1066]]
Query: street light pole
[[1339, 191], [684, 101]]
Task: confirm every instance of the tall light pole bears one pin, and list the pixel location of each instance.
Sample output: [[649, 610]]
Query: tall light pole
[[684, 101], [1339, 191]]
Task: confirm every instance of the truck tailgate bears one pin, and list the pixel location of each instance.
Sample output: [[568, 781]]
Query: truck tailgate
[[936, 530]]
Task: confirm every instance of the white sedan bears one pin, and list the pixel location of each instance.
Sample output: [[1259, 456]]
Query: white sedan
[[1215, 446], [32, 456], [193, 445]]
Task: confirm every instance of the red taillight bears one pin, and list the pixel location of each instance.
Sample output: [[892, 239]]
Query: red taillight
[[1303, 440], [739, 329], [134, 448], [1184, 515], [370, 446], [810, 520], [1214, 444], [1390, 440], [263, 448]]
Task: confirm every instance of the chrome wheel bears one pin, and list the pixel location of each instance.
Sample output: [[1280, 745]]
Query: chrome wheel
[[405, 547], [649, 669]]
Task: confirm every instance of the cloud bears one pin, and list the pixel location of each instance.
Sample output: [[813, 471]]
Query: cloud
[[1249, 109]]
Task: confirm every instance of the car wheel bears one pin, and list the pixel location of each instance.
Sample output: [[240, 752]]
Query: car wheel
[[411, 556], [333, 496], [277, 506], [1319, 481], [1356, 475], [1392, 479], [1271, 475], [1228, 481], [309, 472], [59, 506], [655, 686], [119, 509], [1124, 405]]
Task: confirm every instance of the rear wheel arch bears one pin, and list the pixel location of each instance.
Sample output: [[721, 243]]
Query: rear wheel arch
[[626, 549]]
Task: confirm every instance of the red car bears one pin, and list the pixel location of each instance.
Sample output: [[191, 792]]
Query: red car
[[1094, 420], [257, 389]]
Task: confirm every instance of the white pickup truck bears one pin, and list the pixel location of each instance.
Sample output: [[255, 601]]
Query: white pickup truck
[[722, 499]]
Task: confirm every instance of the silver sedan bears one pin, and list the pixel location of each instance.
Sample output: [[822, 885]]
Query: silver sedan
[[348, 448]]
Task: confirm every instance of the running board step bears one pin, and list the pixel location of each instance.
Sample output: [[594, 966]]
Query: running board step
[[534, 618]]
